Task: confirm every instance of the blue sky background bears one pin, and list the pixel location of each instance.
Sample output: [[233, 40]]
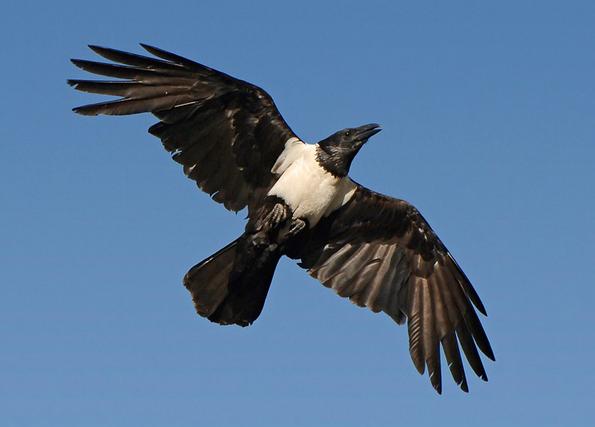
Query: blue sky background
[[489, 129]]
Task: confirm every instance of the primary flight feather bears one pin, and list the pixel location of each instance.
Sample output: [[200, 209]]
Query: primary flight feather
[[373, 249]]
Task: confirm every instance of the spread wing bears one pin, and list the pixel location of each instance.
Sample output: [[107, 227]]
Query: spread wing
[[382, 254], [226, 133]]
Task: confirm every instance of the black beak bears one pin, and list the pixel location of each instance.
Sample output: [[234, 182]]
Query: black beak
[[364, 132]]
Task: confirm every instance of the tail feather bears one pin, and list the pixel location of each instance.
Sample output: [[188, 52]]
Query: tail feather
[[208, 280], [231, 286], [247, 294]]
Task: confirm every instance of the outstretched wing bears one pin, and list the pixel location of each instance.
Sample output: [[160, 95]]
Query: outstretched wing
[[227, 133], [382, 254]]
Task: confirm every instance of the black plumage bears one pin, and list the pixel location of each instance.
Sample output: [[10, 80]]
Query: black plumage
[[382, 254], [227, 133], [375, 250]]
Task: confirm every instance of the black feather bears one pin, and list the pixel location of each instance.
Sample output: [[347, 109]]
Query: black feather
[[423, 284]]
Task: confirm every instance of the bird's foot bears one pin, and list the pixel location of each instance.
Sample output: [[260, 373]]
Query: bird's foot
[[276, 216], [296, 226]]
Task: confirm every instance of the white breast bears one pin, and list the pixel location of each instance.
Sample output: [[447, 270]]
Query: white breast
[[310, 191]]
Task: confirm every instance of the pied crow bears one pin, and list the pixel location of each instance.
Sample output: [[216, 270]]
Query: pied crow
[[373, 249]]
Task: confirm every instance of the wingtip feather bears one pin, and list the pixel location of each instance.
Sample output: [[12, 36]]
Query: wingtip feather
[[436, 378], [100, 50], [490, 354], [147, 46], [95, 47], [83, 110], [77, 62], [152, 49]]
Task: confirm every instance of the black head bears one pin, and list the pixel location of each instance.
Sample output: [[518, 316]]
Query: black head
[[336, 152]]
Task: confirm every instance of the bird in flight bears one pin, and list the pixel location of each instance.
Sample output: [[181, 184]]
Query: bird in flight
[[376, 250]]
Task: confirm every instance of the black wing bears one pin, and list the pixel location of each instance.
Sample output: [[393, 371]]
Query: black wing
[[382, 254], [227, 133]]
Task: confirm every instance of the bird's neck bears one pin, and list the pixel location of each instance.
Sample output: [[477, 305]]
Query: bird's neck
[[333, 160]]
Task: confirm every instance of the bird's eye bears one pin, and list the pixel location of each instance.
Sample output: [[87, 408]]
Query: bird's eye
[[347, 133]]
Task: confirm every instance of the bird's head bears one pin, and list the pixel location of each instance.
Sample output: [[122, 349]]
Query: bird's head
[[336, 152]]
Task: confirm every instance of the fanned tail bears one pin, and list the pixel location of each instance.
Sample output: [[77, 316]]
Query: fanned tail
[[231, 286]]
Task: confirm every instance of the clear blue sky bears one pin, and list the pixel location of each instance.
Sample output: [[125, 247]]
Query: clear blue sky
[[489, 129]]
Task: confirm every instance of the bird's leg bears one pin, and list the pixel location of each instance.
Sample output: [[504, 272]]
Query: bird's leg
[[272, 217]]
